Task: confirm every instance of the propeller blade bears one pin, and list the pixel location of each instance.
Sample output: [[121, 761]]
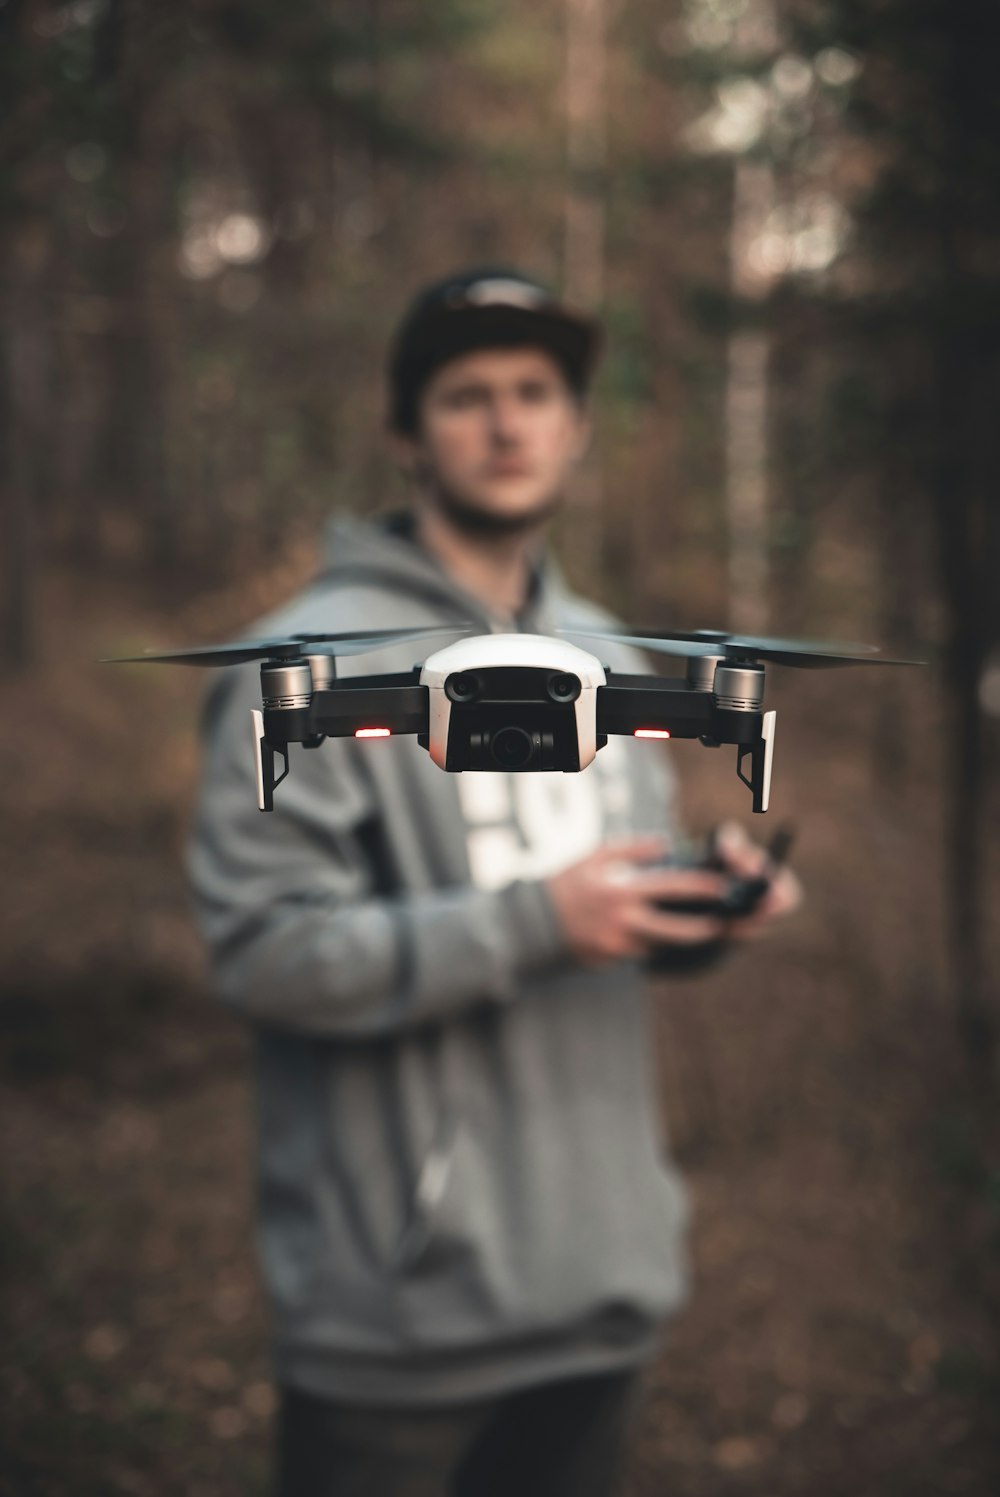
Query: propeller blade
[[804, 654], [660, 644], [356, 642], [235, 654], [808, 654]]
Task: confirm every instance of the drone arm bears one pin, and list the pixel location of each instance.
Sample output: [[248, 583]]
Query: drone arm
[[362, 704], [630, 704], [366, 706], [652, 705]]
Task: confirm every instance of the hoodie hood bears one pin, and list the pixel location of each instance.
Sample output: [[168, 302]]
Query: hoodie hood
[[385, 551]]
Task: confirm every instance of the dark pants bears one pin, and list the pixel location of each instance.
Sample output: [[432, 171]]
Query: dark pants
[[564, 1439]]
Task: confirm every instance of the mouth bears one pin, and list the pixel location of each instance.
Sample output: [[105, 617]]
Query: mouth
[[508, 470]]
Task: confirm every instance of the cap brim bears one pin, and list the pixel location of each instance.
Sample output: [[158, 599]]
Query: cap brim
[[444, 334]]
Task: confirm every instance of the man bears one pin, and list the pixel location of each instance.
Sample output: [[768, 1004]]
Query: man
[[469, 1235]]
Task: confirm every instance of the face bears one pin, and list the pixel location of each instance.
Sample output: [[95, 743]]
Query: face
[[500, 431]]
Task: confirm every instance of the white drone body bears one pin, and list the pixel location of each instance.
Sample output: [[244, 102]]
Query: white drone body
[[469, 660]]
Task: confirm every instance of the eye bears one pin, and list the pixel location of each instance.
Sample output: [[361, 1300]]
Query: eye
[[536, 392], [463, 398]]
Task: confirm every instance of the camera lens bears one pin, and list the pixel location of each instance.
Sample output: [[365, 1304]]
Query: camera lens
[[512, 748], [462, 687], [563, 688]]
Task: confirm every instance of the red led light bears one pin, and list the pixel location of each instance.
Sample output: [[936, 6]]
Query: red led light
[[651, 733], [373, 732]]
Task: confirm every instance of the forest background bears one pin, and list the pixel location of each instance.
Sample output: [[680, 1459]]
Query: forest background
[[211, 215]]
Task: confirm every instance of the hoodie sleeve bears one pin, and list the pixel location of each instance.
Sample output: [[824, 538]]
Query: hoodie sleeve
[[299, 935]]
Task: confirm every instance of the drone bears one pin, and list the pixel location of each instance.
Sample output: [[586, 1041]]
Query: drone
[[521, 703]]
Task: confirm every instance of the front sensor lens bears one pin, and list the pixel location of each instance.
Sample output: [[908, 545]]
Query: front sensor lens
[[463, 687], [563, 688]]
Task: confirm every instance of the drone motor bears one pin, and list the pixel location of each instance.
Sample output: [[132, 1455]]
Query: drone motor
[[700, 672], [738, 688], [286, 684]]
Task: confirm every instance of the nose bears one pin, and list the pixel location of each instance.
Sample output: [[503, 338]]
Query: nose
[[507, 420]]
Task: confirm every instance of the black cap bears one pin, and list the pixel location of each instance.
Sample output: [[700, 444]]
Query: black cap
[[492, 307]]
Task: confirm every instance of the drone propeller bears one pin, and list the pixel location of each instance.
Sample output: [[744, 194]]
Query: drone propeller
[[357, 642], [805, 654]]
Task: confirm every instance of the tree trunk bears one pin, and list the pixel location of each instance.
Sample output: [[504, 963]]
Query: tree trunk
[[962, 496], [584, 225], [586, 151], [23, 439], [959, 547], [746, 410]]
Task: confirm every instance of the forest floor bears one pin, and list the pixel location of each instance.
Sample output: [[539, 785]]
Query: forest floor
[[841, 1335]]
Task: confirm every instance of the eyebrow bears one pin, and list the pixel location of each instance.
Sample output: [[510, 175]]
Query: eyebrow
[[477, 383]]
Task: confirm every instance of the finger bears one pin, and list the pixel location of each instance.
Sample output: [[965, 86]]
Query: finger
[[783, 897], [741, 856], [642, 849], [621, 875], [615, 945], [626, 945], [673, 930], [614, 875]]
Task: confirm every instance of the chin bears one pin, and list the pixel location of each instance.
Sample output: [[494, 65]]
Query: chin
[[489, 512], [510, 496], [523, 511]]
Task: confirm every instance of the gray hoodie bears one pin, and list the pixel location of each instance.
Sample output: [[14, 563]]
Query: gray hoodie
[[462, 1188]]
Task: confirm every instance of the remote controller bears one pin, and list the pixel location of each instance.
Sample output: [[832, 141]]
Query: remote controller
[[739, 899], [742, 896]]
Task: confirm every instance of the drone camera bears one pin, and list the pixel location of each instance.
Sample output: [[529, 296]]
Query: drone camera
[[512, 718], [511, 748]]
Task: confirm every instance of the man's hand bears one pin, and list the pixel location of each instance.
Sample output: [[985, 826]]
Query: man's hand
[[604, 902], [748, 859]]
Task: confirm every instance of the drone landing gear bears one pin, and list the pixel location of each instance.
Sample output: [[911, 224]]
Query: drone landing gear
[[761, 756], [264, 753]]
